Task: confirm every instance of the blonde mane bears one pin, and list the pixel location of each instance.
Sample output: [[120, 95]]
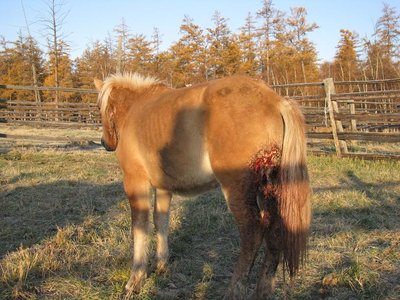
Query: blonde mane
[[132, 81]]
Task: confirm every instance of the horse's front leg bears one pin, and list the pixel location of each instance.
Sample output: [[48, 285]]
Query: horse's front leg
[[138, 192], [161, 222]]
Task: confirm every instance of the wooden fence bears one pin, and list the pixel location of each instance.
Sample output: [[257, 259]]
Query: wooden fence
[[49, 113], [345, 118], [61, 114]]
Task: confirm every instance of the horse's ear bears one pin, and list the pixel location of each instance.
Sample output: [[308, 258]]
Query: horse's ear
[[98, 84]]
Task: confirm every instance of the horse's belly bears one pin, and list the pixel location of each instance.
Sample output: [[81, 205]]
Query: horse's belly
[[191, 189], [188, 174]]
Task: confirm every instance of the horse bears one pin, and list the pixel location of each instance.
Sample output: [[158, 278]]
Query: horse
[[233, 132]]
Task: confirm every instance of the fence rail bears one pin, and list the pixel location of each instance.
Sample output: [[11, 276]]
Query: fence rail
[[29, 112], [47, 88], [340, 114]]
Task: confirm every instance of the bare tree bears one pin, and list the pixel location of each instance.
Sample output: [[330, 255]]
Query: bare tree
[[123, 35], [272, 21], [156, 42], [30, 55], [247, 41], [297, 36], [53, 21], [388, 31]]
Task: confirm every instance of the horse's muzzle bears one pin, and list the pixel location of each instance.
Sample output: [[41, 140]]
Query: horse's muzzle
[[104, 144]]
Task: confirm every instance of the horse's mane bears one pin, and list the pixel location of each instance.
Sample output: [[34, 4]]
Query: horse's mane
[[132, 81]]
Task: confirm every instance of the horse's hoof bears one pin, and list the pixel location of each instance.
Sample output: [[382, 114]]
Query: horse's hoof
[[161, 267], [236, 292], [265, 287], [262, 296], [135, 283]]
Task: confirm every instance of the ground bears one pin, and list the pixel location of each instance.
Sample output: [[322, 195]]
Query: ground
[[64, 231]]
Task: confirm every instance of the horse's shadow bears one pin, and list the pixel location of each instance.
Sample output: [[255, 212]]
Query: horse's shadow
[[204, 245], [31, 214]]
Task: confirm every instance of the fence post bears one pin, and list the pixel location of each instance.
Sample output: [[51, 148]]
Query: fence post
[[353, 112], [339, 127], [38, 100], [329, 90]]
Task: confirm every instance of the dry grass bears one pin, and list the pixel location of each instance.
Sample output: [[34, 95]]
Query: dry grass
[[50, 131], [64, 232], [76, 137]]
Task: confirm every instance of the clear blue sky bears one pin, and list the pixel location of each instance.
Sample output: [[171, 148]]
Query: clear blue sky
[[90, 20]]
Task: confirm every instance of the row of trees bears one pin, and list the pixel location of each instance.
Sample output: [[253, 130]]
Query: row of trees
[[271, 44]]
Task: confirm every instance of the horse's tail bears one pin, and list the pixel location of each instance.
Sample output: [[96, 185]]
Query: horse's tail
[[294, 190]]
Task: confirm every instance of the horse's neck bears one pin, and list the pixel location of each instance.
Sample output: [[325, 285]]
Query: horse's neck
[[138, 100], [158, 90]]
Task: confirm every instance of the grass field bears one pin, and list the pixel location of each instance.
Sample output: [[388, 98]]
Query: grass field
[[64, 232]]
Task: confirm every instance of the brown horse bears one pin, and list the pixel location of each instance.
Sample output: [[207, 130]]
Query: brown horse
[[235, 132]]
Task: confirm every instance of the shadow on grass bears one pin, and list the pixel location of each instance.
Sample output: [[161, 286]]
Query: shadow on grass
[[86, 144], [357, 231], [204, 246], [380, 214], [204, 240], [31, 214]]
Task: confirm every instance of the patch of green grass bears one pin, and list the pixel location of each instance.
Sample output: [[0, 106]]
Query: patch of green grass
[[64, 233]]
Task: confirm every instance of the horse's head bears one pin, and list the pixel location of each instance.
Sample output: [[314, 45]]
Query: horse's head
[[116, 94], [108, 112]]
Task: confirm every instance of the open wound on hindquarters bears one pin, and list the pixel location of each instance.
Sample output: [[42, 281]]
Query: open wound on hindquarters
[[265, 168]]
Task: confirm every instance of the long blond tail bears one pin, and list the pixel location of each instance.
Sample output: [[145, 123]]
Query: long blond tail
[[294, 197]]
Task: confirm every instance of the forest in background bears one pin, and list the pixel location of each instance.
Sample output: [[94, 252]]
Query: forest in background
[[272, 45]]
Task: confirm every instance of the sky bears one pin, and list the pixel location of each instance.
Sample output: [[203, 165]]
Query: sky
[[91, 20]]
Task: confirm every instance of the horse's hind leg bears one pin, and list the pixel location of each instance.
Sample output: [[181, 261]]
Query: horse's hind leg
[[161, 222], [243, 206], [266, 277], [138, 192]]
